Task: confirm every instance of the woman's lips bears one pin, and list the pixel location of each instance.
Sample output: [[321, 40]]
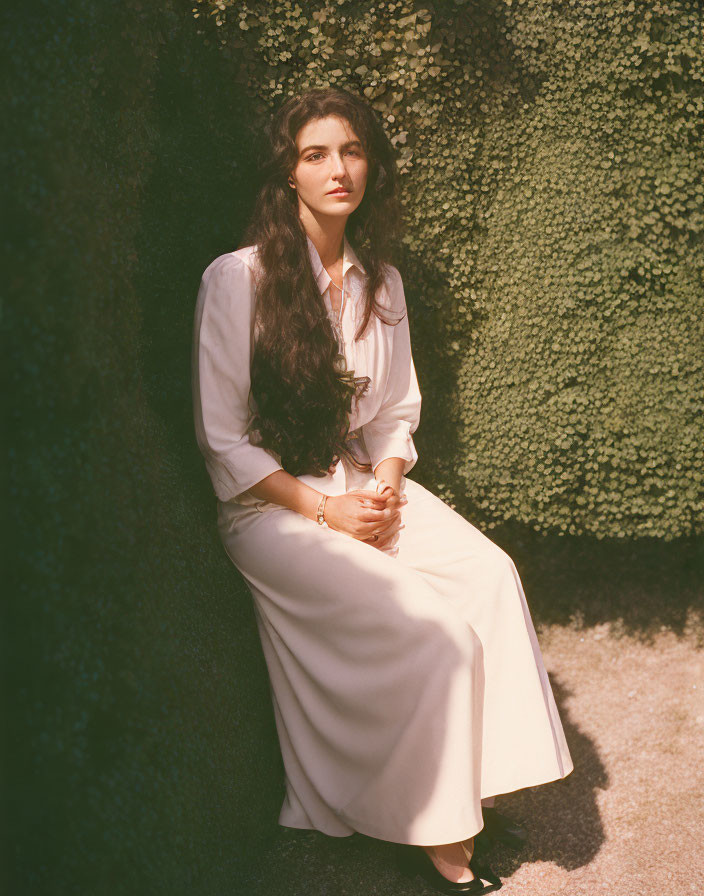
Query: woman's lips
[[339, 192]]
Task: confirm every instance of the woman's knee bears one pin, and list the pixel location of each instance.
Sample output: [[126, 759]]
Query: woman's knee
[[470, 645], [455, 637], [495, 561]]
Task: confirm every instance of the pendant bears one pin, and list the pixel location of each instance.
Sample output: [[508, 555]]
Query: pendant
[[337, 328]]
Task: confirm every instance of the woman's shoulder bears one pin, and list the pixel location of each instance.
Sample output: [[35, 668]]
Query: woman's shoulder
[[392, 275], [228, 284], [393, 288], [242, 258]]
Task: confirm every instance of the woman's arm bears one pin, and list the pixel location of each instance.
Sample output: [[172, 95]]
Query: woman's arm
[[388, 436], [223, 340], [391, 471], [360, 514], [283, 488]]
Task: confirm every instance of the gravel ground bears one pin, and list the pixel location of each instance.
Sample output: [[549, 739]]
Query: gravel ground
[[628, 820]]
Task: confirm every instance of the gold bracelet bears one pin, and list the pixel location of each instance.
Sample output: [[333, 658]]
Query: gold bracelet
[[381, 485], [321, 511]]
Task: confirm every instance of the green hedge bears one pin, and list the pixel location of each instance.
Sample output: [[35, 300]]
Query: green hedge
[[141, 733], [552, 173]]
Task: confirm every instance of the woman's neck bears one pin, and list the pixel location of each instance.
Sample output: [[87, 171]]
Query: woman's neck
[[327, 239]]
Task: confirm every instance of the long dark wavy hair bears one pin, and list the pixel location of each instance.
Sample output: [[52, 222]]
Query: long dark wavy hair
[[300, 384]]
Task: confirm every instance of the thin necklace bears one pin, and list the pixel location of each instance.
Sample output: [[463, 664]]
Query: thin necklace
[[338, 319]]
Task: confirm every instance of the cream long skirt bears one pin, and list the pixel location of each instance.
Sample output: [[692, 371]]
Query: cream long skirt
[[407, 683]]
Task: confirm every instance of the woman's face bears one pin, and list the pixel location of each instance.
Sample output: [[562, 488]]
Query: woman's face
[[330, 158]]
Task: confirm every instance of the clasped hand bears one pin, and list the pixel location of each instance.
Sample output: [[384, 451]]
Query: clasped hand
[[363, 514]]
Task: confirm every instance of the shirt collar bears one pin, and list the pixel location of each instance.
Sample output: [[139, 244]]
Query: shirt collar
[[349, 259]]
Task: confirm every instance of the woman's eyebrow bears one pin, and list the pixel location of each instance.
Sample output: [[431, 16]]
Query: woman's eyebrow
[[344, 146]]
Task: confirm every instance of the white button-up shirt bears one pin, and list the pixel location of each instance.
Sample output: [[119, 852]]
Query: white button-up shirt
[[383, 419]]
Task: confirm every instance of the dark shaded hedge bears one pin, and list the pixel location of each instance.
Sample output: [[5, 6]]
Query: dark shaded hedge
[[553, 176], [140, 749]]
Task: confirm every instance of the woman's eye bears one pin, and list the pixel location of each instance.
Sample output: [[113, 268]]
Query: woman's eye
[[310, 158]]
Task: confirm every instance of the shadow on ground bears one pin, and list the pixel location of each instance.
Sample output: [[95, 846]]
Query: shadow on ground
[[638, 585], [562, 818]]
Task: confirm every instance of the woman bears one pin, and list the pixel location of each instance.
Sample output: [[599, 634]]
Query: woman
[[407, 681]]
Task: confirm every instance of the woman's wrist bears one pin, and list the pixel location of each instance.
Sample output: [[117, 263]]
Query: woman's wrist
[[288, 491], [320, 512], [311, 505], [391, 470], [382, 484]]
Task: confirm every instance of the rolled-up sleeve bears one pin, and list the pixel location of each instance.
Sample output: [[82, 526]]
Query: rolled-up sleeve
[[389, 433], [222, 348]]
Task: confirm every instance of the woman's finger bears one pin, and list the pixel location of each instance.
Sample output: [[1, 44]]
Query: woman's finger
[[369, 515], [380, 528], [384, 541], [367, 495]]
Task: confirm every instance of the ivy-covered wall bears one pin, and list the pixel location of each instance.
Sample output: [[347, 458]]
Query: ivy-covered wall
[[552, 159]]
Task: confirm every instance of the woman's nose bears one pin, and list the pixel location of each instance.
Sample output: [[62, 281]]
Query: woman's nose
[[338, 166]]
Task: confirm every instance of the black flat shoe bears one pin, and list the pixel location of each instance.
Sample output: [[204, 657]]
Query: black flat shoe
[[500, 828], [414, 861]]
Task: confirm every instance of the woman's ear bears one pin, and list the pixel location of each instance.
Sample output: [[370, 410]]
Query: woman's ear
[[291, 183]]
